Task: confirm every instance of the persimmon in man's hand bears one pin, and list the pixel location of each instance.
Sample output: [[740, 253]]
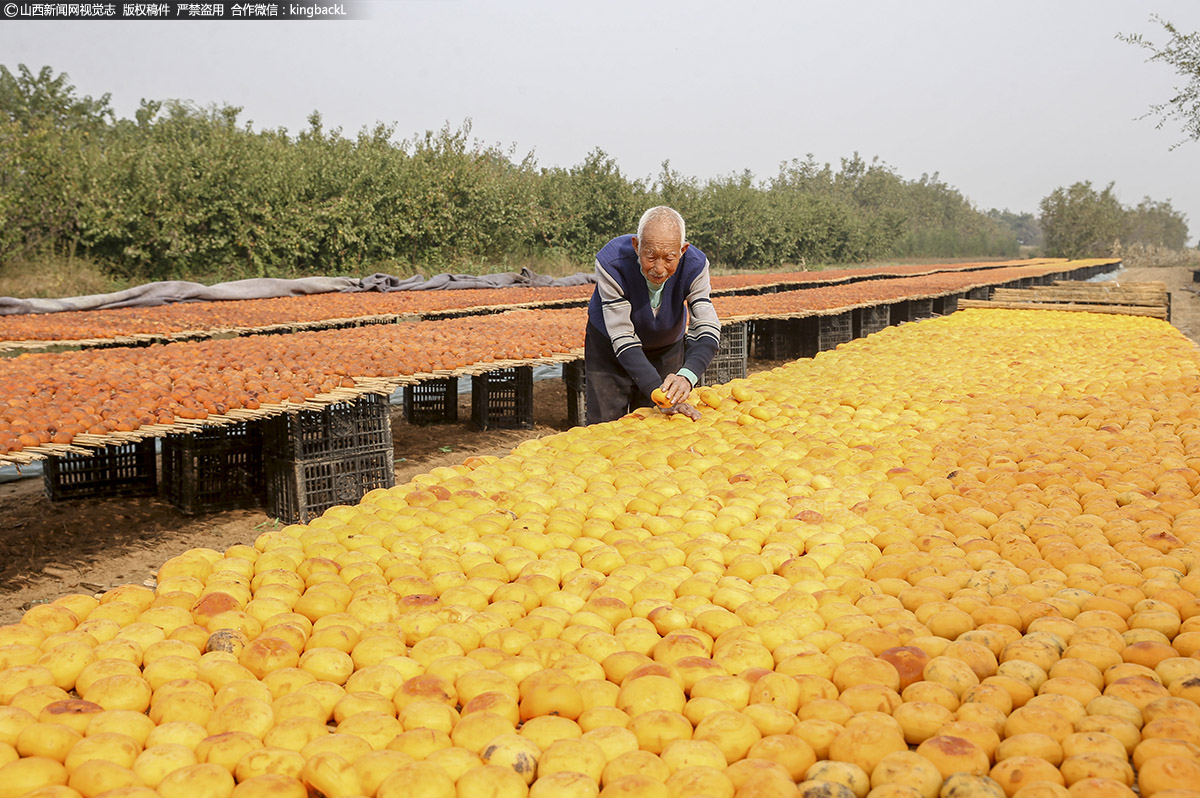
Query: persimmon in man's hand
[[676, 388]]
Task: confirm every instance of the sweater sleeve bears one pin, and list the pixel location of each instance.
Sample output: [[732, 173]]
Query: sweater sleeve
[[627, 346], [704, 328]]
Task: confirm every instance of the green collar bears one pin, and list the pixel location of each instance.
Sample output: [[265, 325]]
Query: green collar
[[656, 292]]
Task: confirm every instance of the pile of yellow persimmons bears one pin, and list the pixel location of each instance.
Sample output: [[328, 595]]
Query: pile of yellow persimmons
[[954, 559]]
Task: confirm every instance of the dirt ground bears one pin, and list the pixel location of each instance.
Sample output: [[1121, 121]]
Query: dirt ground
[[49, 549]]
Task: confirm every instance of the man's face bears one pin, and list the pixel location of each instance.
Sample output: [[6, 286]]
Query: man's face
[[659, 252]]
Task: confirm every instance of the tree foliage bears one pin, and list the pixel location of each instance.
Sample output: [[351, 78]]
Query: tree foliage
[[578, 209], [1079, 221], [1181, 52], [1155, 224], [30, 100], [808, 212], [46, 135], [181, 190], [1024, 226]]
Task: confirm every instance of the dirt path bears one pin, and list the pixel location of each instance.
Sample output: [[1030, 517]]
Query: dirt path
[[48, 549], [1185, 301]]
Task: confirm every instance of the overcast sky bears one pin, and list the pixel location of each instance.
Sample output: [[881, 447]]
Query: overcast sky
[[1005, 100]]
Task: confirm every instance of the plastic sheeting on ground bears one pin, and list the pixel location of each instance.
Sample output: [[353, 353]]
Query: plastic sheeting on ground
[[170, 291]]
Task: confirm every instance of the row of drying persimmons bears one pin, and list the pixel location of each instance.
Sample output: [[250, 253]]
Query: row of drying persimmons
[[56, 399], [193, 317]]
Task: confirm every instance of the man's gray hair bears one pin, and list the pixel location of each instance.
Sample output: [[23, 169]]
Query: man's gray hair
[[659, 214]]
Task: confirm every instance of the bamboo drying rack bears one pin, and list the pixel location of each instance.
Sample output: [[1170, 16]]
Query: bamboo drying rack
[[147, 339], [86, 444]]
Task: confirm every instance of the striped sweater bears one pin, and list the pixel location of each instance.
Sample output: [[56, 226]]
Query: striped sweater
[[620, 310]]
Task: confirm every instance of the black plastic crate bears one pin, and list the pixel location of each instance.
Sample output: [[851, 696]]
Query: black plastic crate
[[834, 330], [945, 305], [576, 382], [785, 339], [735, 341], [809, 336], [769, 340], [982, 292], [127, 469], [345, 428], [875, 318], [503, 399], [574, 375], [920, 309], [215, 469], [719, 372], [431, 402], [730, 361], [300, 490]]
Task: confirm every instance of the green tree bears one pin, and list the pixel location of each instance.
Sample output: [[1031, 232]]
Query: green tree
[[737, 224], [581, 208], [185, 191], [1023, 226], [1181, 52], [1080, 222], [822, 225], [1155, 224], [806, 177], [45, 98], [45, 132], [181, 192], [677, 190], [458, 200]]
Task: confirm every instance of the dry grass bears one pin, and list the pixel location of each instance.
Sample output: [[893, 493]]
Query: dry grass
[[51, 276]]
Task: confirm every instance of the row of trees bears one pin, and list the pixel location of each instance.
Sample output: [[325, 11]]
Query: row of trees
[[181, 191], [1080, 221]]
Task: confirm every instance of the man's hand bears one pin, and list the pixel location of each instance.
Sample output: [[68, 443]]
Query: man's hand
[[685, 409], [671, 397], [677, 388]]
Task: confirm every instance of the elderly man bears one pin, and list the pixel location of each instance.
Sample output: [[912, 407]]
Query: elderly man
[[651, 322]]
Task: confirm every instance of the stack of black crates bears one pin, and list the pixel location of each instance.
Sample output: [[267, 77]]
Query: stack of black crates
[[872, 319], [835, 329], [503, 399], [320, 458], [573, 376], [786, 339], [214, 468], [730, 360], [945, 305], [431, 402], [920, 309], [127, 469]]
